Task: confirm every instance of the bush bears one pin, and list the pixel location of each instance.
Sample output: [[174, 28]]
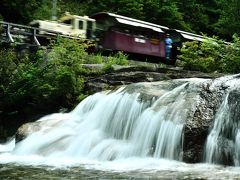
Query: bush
[[54, 78], [11, 68], [230, 61], [117, 59], [211, 55]]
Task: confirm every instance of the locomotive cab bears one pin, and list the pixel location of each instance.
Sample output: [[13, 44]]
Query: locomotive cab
[[70, 25], [81, 26]]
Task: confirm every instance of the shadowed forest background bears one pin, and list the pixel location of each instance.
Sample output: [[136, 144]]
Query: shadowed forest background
[[210, 17]]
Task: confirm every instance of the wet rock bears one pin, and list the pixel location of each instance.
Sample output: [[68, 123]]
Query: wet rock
[[26, 129], [197, 127], [225, 151], [133, 74], [40, 126]]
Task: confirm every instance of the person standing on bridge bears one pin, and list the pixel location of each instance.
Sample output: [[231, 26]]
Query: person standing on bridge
[[168, 47]]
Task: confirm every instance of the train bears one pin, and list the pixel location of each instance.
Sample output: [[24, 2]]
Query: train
[[138, 38], [111, 32]]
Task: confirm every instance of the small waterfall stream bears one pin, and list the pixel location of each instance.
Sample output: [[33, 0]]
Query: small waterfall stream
[[222, 144], [237, 148]]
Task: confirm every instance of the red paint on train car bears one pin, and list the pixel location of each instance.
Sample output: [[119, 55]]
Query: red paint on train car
[[119, 41]]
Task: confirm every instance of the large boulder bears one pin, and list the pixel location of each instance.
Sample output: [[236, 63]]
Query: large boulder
[[197, 128]]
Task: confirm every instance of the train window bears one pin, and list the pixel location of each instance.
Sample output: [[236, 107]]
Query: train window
[[80, 25]]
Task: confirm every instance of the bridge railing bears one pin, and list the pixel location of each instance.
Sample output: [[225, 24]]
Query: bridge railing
[[16, 33]]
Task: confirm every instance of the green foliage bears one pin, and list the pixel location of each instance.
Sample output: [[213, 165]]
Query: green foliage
[[70, 52], [72, 6], [193, 58], [194, 14], [211, 55], [228, 23], [56, 77], [230, 61], [8, 66], [164, 13], [212, 17], [129, 8], [12, 71], [43, 11], [117, 59], [95, 59], [23, 11]]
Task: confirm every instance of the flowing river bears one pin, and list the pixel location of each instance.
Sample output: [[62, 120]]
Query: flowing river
[[135, 132]]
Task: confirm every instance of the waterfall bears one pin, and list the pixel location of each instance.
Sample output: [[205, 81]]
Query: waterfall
[[130, 122], [237, 149], [214, 152], [223, 142]]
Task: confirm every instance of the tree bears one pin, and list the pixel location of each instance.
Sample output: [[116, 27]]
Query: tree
[[229, 23], [73, 6], [211, 17], [194, 14], [24, 11], [164, 13], [129, 8]]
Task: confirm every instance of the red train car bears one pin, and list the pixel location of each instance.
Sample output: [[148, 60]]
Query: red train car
[[120, 33], [107, 32]]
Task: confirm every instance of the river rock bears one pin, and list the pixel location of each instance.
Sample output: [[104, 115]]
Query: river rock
[[27, 129], [198, 127]]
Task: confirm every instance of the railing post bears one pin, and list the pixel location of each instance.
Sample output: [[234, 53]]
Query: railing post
[[9, 34], [35, 37]]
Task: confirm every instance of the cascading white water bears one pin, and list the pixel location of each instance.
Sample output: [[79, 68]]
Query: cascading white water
[[118, 125], [223, 142], [237, 148], [213, 152]]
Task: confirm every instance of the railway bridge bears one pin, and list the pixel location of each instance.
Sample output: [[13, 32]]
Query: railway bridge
[[25, 35]]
